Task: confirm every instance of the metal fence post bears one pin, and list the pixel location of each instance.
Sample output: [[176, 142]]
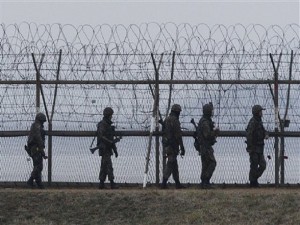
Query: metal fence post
[[277, 120], [157, 129], [49, 153]]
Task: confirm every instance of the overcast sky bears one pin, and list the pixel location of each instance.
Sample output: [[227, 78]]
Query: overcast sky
[[265, 12]]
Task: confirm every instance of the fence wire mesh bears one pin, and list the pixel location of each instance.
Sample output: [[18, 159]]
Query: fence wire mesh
[[72, 161], [118, 53]]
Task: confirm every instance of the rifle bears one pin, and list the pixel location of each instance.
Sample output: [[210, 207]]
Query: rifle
[[94, 149], [91, 148], [195, 136], [116, 140], [28, 150]]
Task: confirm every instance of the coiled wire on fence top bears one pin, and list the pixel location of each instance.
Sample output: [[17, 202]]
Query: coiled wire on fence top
[[121, 53]]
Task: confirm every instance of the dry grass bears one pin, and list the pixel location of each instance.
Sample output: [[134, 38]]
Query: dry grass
[[150, 206]]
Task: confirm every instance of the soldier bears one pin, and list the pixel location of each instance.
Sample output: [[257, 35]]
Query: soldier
[[207, 134], [107, 145], [35, 147], [172, 140], [256, 134]]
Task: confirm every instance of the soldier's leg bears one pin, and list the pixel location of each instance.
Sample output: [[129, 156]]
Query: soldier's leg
[[39, 182], [164, 160], [34, 173], [174, 166], [168, 170], [39, 167], [30, 180], [109, 169], [253, 174], [261, 165], [102, 174], [208, 166], [175, 173], [212, 163], [204, 162], [170, 159], [110, 173]]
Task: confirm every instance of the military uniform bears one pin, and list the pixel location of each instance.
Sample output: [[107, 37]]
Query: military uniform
[[256, 134], [207, 136], [172, 140], [36, 145], [106, 144]]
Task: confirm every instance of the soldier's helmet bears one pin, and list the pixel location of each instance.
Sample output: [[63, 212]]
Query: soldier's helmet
[[108, 111], [40, 117], [208, 109], [256, 109], [176, 108]]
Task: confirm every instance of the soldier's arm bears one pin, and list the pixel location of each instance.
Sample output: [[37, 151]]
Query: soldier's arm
[[249, 134], [38, 136], [178, 133], [114, 147], [44, 154], [267, 135]]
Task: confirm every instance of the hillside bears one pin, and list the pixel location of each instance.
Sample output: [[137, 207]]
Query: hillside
[[150, 206]]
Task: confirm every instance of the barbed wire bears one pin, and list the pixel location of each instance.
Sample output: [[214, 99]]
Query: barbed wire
[[117, 52]]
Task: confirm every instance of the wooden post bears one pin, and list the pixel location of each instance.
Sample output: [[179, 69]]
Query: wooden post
[[157, 139], [40, 85], [157, 116], [37, 89], [154, 122], [171, 86], [37, 94]]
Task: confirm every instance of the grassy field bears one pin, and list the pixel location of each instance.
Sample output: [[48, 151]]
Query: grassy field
[[150, 206]]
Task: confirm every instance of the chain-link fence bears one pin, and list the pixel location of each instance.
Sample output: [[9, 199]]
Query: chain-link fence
[[116, 66], [73, 162]]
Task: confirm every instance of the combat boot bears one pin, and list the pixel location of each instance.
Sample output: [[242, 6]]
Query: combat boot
[[178, 185], [164, 184], [39, 184], [30, 182], [101, 184], [254, 184], [205, 184], [113, 185], [210, 186]]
